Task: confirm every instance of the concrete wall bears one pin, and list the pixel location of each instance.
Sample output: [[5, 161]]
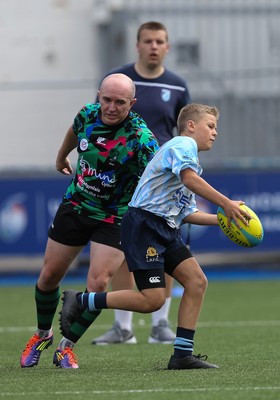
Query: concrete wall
[[53, 53], [47, 71]]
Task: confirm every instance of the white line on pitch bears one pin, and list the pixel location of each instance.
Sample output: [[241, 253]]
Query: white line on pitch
[[155, 390], [210, 324]]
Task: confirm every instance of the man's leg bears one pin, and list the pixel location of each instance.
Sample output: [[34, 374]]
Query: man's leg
[[58, 257], [121, 331], [161, 331], [104, 262]]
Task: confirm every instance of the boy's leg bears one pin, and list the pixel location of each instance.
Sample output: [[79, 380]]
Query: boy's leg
[[121, 332], [189, 274], [161, 332]]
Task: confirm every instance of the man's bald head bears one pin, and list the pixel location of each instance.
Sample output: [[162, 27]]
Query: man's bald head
[[119, 82]]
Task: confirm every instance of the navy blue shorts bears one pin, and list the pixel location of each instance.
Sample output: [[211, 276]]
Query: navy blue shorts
[[149, 243], [73, 229]]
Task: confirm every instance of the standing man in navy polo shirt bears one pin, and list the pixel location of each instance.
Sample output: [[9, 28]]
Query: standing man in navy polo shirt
[[160, 96]]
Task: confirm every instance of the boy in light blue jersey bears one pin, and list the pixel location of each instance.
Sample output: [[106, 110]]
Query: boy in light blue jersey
[[164, 199], [161, 191]]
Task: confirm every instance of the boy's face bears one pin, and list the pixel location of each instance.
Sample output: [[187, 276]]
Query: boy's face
[[205, 132]]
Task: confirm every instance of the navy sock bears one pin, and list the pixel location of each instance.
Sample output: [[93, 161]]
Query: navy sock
[[82, 299], [183, 343], [100, 301], [92, 301]]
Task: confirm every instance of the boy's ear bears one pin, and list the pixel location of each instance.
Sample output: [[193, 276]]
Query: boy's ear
[[190, 125]]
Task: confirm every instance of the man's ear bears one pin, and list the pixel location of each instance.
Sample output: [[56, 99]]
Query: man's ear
[[133, 101]]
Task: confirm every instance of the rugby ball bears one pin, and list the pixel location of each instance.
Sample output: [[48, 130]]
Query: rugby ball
[[248, 236]]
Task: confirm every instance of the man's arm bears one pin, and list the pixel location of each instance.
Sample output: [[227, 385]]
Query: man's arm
[[69, 143]]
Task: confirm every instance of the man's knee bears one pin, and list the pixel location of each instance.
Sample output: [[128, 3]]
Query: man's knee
[[202, 282], [98, 283]]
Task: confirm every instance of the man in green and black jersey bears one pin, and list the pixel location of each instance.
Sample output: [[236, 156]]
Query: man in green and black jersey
[[114, 146]]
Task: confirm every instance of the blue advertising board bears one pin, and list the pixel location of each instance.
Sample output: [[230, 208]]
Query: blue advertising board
[[27, 208], [28, 205], [260, 190]]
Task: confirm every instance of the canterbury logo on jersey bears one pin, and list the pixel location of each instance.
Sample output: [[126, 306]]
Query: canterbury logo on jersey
[[154, 279]]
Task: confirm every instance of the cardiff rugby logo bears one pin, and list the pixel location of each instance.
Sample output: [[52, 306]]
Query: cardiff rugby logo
[[165, 94]]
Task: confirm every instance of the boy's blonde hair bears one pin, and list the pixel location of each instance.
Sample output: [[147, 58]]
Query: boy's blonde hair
[[194, 112]]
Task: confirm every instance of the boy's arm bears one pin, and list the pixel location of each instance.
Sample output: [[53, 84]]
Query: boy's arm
[[203, 189], [201, 218]]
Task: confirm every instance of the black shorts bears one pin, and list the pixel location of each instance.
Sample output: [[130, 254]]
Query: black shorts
[[150, 244], [73, 229]]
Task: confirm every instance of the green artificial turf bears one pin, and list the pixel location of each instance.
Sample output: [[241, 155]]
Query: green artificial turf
[[238, 329]]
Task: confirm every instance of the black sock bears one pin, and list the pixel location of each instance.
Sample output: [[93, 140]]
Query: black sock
[[82, 323], [183, 343], [46, 305]]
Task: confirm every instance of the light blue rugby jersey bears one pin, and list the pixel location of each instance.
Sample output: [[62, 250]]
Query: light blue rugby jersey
[[160, 189]]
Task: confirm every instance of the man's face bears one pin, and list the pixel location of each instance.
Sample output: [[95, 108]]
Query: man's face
[[115, 104], [152, 47]]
